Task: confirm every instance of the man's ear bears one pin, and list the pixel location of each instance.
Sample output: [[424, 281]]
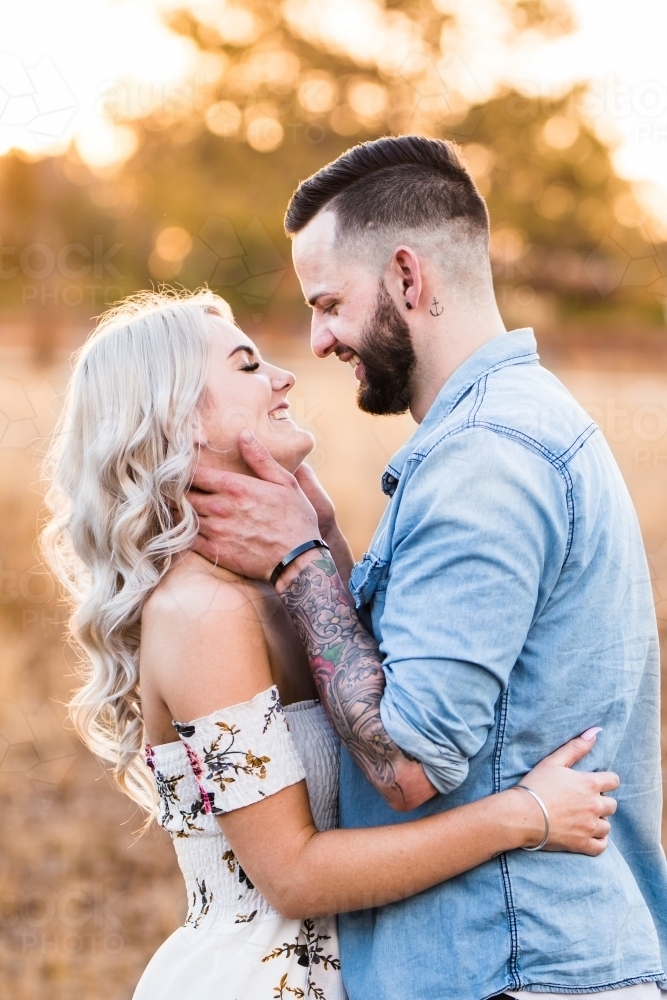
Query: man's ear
[[404, 277]]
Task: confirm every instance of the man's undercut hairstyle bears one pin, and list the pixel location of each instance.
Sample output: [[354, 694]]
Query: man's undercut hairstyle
[[395, 186]]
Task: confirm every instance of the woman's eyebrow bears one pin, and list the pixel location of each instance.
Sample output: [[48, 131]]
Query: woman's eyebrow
[[242, 347]]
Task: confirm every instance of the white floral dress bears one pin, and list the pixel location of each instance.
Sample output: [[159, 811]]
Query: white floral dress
[[233, 945]]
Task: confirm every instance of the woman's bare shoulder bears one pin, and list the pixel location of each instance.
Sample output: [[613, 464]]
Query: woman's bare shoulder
[[202, 640], [192, 588]]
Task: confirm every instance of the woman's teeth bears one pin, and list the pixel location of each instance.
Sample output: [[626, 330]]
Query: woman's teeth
[[279, 414]]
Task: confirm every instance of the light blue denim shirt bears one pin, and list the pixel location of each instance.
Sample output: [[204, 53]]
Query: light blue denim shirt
[[508, 589]]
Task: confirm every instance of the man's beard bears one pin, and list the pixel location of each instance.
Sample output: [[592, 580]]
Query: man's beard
[[388, 357]]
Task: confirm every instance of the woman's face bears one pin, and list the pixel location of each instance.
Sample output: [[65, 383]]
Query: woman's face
[[243, 391]]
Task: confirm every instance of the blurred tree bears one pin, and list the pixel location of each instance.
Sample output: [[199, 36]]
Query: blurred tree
[[284, 87]]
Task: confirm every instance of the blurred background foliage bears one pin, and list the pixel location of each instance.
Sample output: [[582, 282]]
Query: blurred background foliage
[[282, 88], [196, 192]]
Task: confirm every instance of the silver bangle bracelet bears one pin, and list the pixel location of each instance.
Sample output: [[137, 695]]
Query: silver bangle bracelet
[[544, 813]]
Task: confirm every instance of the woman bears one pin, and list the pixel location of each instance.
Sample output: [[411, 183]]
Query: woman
[[166, 636]]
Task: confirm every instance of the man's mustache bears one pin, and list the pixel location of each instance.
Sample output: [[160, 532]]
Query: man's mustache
[[342, 348]]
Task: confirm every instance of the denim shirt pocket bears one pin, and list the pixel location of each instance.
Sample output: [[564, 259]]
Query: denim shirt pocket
[[369, 577]]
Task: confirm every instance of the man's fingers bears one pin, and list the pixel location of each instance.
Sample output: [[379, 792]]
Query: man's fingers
[[571, 752], [204, 503], [204, 548], [210, 480], [258, 458], [304, 476]]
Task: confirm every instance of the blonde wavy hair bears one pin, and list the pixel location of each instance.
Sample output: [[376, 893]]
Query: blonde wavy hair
[[117, 473]]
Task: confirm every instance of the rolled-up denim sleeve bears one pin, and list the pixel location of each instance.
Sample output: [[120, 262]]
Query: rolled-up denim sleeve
[[480, 538]]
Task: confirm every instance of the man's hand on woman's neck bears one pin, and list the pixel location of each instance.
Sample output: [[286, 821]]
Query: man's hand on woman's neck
[[248, 526]]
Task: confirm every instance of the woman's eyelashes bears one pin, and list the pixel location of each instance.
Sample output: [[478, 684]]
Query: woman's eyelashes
[[252, 366]]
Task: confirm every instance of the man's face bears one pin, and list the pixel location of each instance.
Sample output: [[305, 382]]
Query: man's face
[[354, 317]]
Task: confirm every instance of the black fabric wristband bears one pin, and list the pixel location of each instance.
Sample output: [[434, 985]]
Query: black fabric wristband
[[315, 543]]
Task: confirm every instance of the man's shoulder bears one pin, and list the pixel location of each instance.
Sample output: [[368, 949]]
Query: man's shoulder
[[524, 403]]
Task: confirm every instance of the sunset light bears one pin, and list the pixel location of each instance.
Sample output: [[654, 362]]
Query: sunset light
[[60, 83]]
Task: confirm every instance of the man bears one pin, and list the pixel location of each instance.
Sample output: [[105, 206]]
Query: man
[[506, 589]]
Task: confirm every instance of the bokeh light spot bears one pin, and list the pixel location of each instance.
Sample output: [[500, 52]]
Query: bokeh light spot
[[264, 134], [556, 201], [317, 92], [223, 118], [173, 243], [560, 132]]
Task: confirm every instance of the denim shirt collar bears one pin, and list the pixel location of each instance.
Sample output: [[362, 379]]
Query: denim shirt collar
[[516, 347]]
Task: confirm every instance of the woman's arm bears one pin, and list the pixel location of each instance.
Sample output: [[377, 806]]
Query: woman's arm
[[203, 649], [305, 873]]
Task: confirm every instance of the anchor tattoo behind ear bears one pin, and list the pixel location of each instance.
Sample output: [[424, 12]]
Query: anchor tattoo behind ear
[[435, 311]]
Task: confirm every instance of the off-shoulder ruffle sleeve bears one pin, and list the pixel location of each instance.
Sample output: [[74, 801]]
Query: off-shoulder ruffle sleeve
[[242, 754]]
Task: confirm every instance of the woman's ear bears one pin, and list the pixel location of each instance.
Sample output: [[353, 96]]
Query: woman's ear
[[199, 437]]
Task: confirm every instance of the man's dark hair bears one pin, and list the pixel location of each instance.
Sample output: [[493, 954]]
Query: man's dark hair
[[405, 182]]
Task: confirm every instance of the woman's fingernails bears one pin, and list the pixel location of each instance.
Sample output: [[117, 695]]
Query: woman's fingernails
[[591, 733], [246, 436]]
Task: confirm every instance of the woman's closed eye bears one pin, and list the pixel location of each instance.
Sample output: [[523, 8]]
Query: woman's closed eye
[[252, 366]]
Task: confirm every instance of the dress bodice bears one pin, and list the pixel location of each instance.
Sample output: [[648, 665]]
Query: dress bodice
[[234, 945], [225, 761]]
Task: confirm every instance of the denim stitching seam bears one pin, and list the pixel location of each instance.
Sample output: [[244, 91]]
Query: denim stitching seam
[[504, 868], [479, 399], [559, 462], [599, 988], [519, 359]]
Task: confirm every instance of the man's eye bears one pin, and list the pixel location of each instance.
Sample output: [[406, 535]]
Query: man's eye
[[328, 309], [252, 366]]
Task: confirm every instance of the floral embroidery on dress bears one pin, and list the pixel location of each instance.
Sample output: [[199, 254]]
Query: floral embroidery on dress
[[282, 988], [189, 819], [206, 898], [251, 755], [220, 760], [166, 787], [234, 867], [309, 951], [275, 707]]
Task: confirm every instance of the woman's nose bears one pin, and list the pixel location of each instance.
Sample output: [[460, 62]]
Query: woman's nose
[[282, 380]]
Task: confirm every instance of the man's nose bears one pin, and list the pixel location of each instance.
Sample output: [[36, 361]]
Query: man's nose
[[322, 340]]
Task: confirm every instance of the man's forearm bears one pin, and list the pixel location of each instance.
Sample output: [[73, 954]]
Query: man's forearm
[[347, 668], [341, 552]]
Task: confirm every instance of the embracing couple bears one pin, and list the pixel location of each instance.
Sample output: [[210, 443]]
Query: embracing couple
[[392, 742]]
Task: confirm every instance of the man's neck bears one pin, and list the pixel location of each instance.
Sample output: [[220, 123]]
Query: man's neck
[[463, 333]]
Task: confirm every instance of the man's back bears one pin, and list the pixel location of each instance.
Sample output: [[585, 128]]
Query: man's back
[[509, 591]]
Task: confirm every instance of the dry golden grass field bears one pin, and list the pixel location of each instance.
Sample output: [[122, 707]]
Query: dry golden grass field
[[83, 902]]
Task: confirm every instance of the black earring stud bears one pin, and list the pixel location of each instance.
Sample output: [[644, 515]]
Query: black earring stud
[[408, 305]]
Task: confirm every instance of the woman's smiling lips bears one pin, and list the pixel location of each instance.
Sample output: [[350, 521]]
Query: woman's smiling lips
[[280, 412]]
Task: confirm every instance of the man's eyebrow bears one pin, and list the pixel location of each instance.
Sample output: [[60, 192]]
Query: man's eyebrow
[[242, 347], [318, 295]]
